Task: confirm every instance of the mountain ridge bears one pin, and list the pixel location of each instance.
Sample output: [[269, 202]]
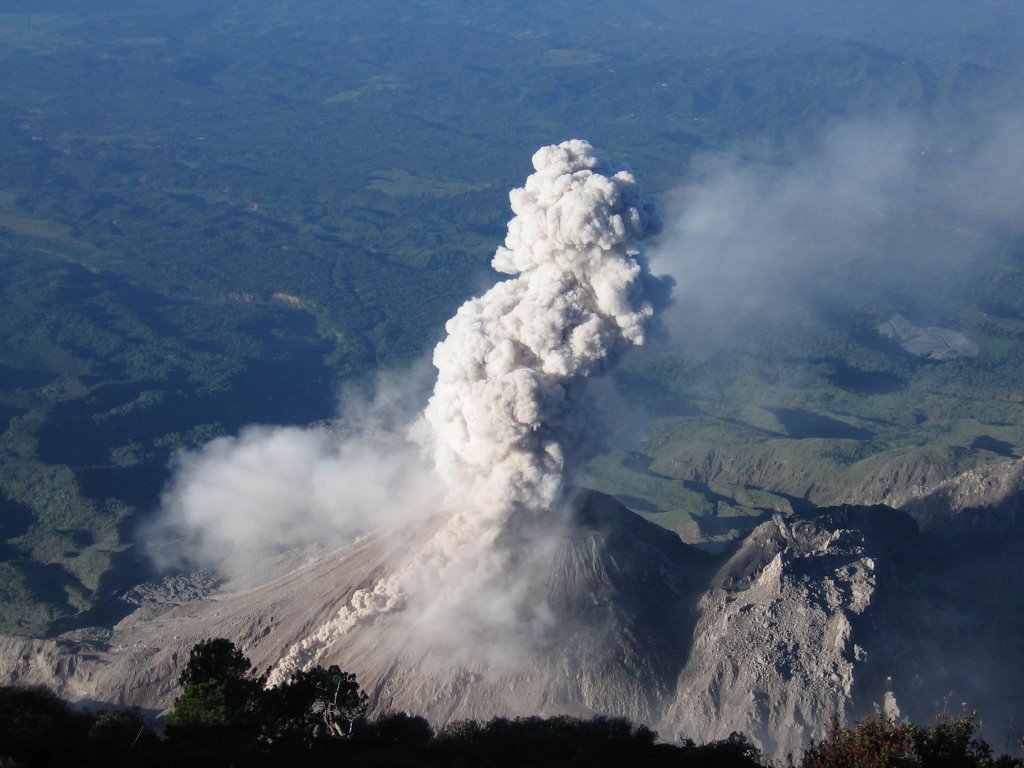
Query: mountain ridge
[[841, 610]]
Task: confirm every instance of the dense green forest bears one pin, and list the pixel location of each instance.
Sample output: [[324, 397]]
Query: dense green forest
[[225, 716], [219, 214]]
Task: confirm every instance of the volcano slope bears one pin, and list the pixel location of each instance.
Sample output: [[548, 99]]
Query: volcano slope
[[840, 611]]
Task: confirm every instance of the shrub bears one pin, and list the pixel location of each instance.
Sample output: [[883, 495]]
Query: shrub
[[875, 742]]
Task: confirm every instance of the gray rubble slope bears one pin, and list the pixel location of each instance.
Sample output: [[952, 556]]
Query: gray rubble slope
[[827, 612], [621, 592], [776, 651]]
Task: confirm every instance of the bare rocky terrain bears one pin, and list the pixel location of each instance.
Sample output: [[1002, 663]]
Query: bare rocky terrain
[[931, 342], [843, 610]]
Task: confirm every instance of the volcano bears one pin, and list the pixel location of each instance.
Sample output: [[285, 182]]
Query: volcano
[[502, 592], [804, 617]]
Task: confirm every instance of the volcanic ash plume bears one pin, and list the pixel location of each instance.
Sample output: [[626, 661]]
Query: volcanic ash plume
[[507, 409], [502, 413]]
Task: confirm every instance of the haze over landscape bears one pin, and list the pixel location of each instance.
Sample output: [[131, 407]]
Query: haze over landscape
[[562, 358]]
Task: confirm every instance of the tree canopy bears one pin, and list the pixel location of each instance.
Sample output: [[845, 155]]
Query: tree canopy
[[225, 715]]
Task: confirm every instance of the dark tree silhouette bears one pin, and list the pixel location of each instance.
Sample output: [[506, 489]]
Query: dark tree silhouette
[[217, 690], [316, 704]]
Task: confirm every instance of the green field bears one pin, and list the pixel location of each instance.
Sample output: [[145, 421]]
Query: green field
[[216, 214]]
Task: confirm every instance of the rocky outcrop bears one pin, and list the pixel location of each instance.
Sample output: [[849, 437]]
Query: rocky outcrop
[[776, 649]]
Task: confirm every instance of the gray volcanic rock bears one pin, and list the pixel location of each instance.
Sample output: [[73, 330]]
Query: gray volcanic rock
[[839, 611], [931, 341], [776, 653], [620, 591]]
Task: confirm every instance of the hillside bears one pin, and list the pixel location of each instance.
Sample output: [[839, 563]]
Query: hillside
[[840, 610]]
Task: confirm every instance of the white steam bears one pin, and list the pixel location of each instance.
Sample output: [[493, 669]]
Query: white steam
[[240, 501], [242, 498], [506, 409]]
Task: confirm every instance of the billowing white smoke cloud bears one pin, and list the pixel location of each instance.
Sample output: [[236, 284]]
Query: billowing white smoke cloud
[[507, 409], [241, 500], [503, 414]]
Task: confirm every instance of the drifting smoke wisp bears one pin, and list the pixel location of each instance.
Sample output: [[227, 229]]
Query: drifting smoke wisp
[[507, 410], [885, 210], [239, 502]]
